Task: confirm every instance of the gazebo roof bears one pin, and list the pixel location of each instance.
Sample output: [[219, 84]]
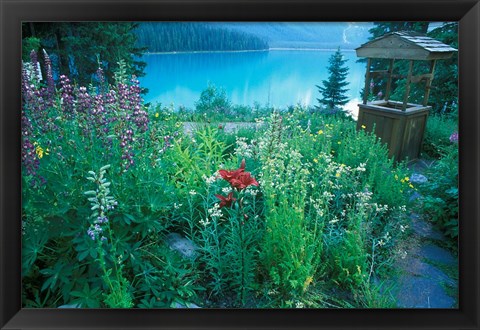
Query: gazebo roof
[[406, 45]]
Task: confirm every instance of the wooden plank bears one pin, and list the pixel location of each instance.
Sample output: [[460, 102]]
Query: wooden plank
[[367, 82], [389, 81], [387, 129], [429, 83], [390, 42], [407, 87], [426, 76], [399, 53]]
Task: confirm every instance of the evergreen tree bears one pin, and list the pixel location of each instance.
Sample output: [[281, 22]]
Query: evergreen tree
[[75, 48], [379, 29], [333, 89], [194, 36], [444, 90]]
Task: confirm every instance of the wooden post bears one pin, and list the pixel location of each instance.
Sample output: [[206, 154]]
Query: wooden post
[[389, 81], [407, 86], [428, 85], [367, 82]]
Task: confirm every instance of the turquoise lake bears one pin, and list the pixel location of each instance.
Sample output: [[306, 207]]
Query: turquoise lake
[[276, 77]]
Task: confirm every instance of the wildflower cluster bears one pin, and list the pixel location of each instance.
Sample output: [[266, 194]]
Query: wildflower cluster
[[101, 203]]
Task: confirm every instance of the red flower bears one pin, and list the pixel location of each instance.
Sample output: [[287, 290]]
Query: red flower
[[243, 180], [226, 201], [229, 175]]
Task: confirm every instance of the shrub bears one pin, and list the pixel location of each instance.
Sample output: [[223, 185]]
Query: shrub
[[213, 102], [440, 192], [437, 134]]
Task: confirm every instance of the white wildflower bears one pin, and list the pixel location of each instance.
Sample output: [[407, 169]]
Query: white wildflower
[[215, 211], [205, 222]]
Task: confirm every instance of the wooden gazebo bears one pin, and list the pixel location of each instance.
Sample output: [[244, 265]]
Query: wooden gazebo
[[400, 124]]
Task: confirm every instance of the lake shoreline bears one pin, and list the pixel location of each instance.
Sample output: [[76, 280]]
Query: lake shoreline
[[248, 51]]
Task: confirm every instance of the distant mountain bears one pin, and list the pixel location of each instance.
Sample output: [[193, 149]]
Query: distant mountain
[[330, 35], [219, 36]]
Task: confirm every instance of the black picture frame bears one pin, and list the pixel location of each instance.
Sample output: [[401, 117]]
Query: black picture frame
[[13, 12]]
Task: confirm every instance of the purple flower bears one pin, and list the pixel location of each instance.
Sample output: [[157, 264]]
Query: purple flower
[[95, 231], [50, 84], [102, 219], [84, 101], [34, 61], [454, 137], [66, 90]]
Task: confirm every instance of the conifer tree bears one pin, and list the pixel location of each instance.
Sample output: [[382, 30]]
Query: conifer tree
[[333, 90]]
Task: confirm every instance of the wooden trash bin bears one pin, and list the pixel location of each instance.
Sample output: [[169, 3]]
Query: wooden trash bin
[[400, 124], [402, 131]]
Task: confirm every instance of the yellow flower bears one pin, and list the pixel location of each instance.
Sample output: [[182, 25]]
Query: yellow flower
[[339, 142], [337, 175], [315, 160], [363, 126], [311, 134], [40, 152], [402, 181], [308, 281], [342, 165], [156, 115], [410, 185], [407, 178], [320, 132]]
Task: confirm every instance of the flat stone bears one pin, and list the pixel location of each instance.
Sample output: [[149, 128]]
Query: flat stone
[[425, 229], [186, 305], [414, 196], [419, 292], [421, 165], [437, 254], [418, 178], [419, 268], [70, 306], [182, 245]]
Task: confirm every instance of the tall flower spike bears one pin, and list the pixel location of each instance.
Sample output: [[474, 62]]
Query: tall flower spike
[[50, 82]]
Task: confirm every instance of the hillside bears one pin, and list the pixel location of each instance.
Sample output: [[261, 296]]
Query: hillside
[[201, 36], [305, 34]]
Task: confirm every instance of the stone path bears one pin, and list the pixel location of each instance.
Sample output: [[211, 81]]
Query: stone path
[[429, 273]]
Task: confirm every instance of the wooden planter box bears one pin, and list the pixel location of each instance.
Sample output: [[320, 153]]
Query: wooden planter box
[[402, 131]]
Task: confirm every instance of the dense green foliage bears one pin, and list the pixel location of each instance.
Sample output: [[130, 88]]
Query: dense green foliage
[[333, 90], [437, 134], [78, 49], [317, 207], [444, 90], [194, 36], [444, 93], [440, 193]]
